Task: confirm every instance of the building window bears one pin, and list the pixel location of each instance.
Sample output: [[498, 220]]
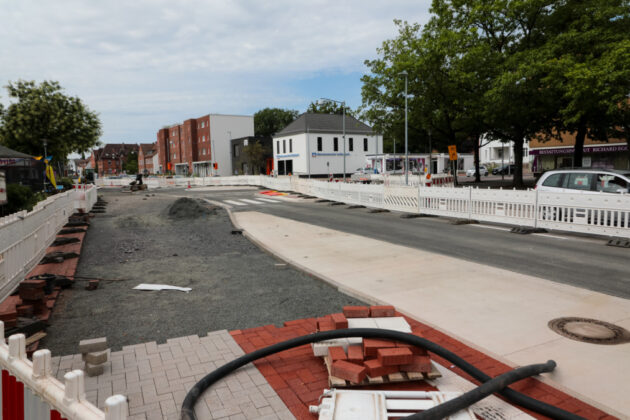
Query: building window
[[174, 155], [284, 146], [335, 144], [203, 138], [365, 145], [236, 150], [351, 144], [319, 144], [290, 145], [278, 147]]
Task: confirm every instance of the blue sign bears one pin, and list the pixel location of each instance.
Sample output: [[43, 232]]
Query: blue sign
[[315, 154]]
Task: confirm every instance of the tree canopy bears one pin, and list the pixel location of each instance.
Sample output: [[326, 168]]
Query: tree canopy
[[43, 111], [328, 107], [509, 69], [269, 121]]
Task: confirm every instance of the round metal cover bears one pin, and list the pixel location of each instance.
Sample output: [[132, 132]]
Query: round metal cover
[[589, 330]]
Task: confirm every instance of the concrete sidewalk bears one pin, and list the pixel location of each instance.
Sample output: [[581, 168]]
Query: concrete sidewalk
[[501, 313]]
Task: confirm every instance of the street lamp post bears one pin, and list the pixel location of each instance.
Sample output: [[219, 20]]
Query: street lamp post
[[343, 116], [404, 73]]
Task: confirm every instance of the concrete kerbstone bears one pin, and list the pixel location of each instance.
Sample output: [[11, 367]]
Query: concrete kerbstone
[[93, 345], [96, 358]]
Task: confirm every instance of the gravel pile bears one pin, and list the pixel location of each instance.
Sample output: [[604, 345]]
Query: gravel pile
[[187, 208]]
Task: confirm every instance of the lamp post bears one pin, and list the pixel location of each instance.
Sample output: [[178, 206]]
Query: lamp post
[[343, 115], [45, 144], [404, 73]]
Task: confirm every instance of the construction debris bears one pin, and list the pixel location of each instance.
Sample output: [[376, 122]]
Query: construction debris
[[95, 354], [57, 257], [145, 286]]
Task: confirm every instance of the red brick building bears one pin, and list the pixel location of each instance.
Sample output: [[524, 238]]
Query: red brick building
[[111, 159], [146, 151], [187, 148]]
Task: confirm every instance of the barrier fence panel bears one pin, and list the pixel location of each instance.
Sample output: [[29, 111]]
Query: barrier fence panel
[[401, 199], [450, 202], [504, 206], [604, 214], [30, 392]]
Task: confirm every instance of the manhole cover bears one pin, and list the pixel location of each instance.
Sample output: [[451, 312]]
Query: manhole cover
[[589, 330]]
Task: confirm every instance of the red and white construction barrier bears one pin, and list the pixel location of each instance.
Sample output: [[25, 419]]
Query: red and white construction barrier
[[30, 392]]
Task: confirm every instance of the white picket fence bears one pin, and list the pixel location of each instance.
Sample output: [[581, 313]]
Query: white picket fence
[[600, 213], [28, 390], [24, 236]]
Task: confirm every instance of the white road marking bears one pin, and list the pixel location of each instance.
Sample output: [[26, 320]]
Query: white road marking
[[236, 203], [491, 227], [250, 201], [268, 200]]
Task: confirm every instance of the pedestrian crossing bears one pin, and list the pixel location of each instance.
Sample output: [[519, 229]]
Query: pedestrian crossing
[[246, 201]]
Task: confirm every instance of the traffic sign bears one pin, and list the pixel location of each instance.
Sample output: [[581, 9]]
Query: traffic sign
[[452, 152]]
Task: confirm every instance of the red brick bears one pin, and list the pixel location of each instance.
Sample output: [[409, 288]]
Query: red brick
[[25, 310], [336, 353], [382, 311], [355, 354], [33, 284], [356, 311], [9, 314], [31, 294], [348, 371], [419, 351], [375, 368], [325, 326], [417, 364], [371, 345], [394, 356], [340, 321]]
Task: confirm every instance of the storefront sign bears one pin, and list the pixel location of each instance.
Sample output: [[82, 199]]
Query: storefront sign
[[9, 161], [587, 149], [315, 154]]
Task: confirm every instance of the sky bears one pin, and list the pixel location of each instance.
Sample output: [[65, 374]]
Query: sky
[[142, 64]]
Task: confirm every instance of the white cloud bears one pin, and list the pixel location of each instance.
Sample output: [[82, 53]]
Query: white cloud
[[158, 57]]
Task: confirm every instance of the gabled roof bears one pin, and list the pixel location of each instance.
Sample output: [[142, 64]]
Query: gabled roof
[[114, 150], [147, 149], [324, 123], [5, 152]]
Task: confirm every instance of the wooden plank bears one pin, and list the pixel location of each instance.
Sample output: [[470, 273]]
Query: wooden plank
[[375, 380], [35, 337], [396, 377]]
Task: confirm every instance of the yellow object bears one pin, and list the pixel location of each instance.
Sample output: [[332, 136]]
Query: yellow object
[[51, 175], [38, 157], [452, 152]]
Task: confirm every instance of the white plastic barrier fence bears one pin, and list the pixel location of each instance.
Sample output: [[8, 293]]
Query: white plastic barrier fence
[[600, 213], [30, 392], [24, 236]]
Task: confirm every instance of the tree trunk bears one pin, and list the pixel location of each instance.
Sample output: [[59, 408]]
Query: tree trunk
[[578, 151], [517, 181], [476, 151]]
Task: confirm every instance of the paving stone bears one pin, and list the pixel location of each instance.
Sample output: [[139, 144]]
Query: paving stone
[[96, 358], [92, 345]]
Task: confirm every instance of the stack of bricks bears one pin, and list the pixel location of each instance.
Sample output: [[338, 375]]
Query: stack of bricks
[[374, 357], [95, 354], [34, 300]]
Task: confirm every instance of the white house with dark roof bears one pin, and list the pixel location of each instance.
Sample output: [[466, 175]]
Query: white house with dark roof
[[314, 144]]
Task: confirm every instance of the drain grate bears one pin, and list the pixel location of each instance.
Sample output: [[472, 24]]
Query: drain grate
[[589, 330]]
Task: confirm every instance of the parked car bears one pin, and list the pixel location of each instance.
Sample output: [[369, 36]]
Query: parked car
[[483, 171], [504, 170], [585, 180]]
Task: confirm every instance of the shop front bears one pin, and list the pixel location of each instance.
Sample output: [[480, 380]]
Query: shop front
[[608, 156]]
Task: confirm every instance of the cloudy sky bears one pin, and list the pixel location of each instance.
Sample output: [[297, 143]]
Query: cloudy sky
[[144, 64]]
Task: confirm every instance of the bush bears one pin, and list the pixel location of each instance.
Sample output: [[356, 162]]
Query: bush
[[66, 182], [20, 198]]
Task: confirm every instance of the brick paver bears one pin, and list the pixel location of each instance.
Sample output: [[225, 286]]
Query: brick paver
[[156, 377]]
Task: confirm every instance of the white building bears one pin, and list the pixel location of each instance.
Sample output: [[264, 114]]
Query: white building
[[419, 162], [497, 153], [313, 144]]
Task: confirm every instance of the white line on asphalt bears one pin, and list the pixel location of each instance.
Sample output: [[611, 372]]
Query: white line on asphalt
[[491, 227], [250, 201], [236, 203], [268, 200]]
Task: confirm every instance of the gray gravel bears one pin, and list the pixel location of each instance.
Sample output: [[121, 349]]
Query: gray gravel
[[234, 284]]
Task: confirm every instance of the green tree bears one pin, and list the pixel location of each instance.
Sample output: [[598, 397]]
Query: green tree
[[269, 121], [131, 164], [328, 107], [588, 68], [44, 112], [255, 156]]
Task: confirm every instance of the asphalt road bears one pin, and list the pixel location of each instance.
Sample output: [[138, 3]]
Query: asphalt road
[[579, 261]]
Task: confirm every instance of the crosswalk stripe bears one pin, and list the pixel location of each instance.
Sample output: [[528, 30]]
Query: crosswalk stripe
[[268, 200], [250, 201], [236, 203]]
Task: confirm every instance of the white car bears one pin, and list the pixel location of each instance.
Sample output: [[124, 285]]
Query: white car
[[483, 171], [585, 180]]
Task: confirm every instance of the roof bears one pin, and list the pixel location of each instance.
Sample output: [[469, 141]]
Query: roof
[[147, 148], [5, 152], [113, 150], [324, 123]]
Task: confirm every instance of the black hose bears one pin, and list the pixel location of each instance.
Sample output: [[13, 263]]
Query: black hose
[[188, 413], [496, 384]]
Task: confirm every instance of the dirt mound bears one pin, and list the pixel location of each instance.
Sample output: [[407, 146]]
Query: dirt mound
[[187, 208]]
